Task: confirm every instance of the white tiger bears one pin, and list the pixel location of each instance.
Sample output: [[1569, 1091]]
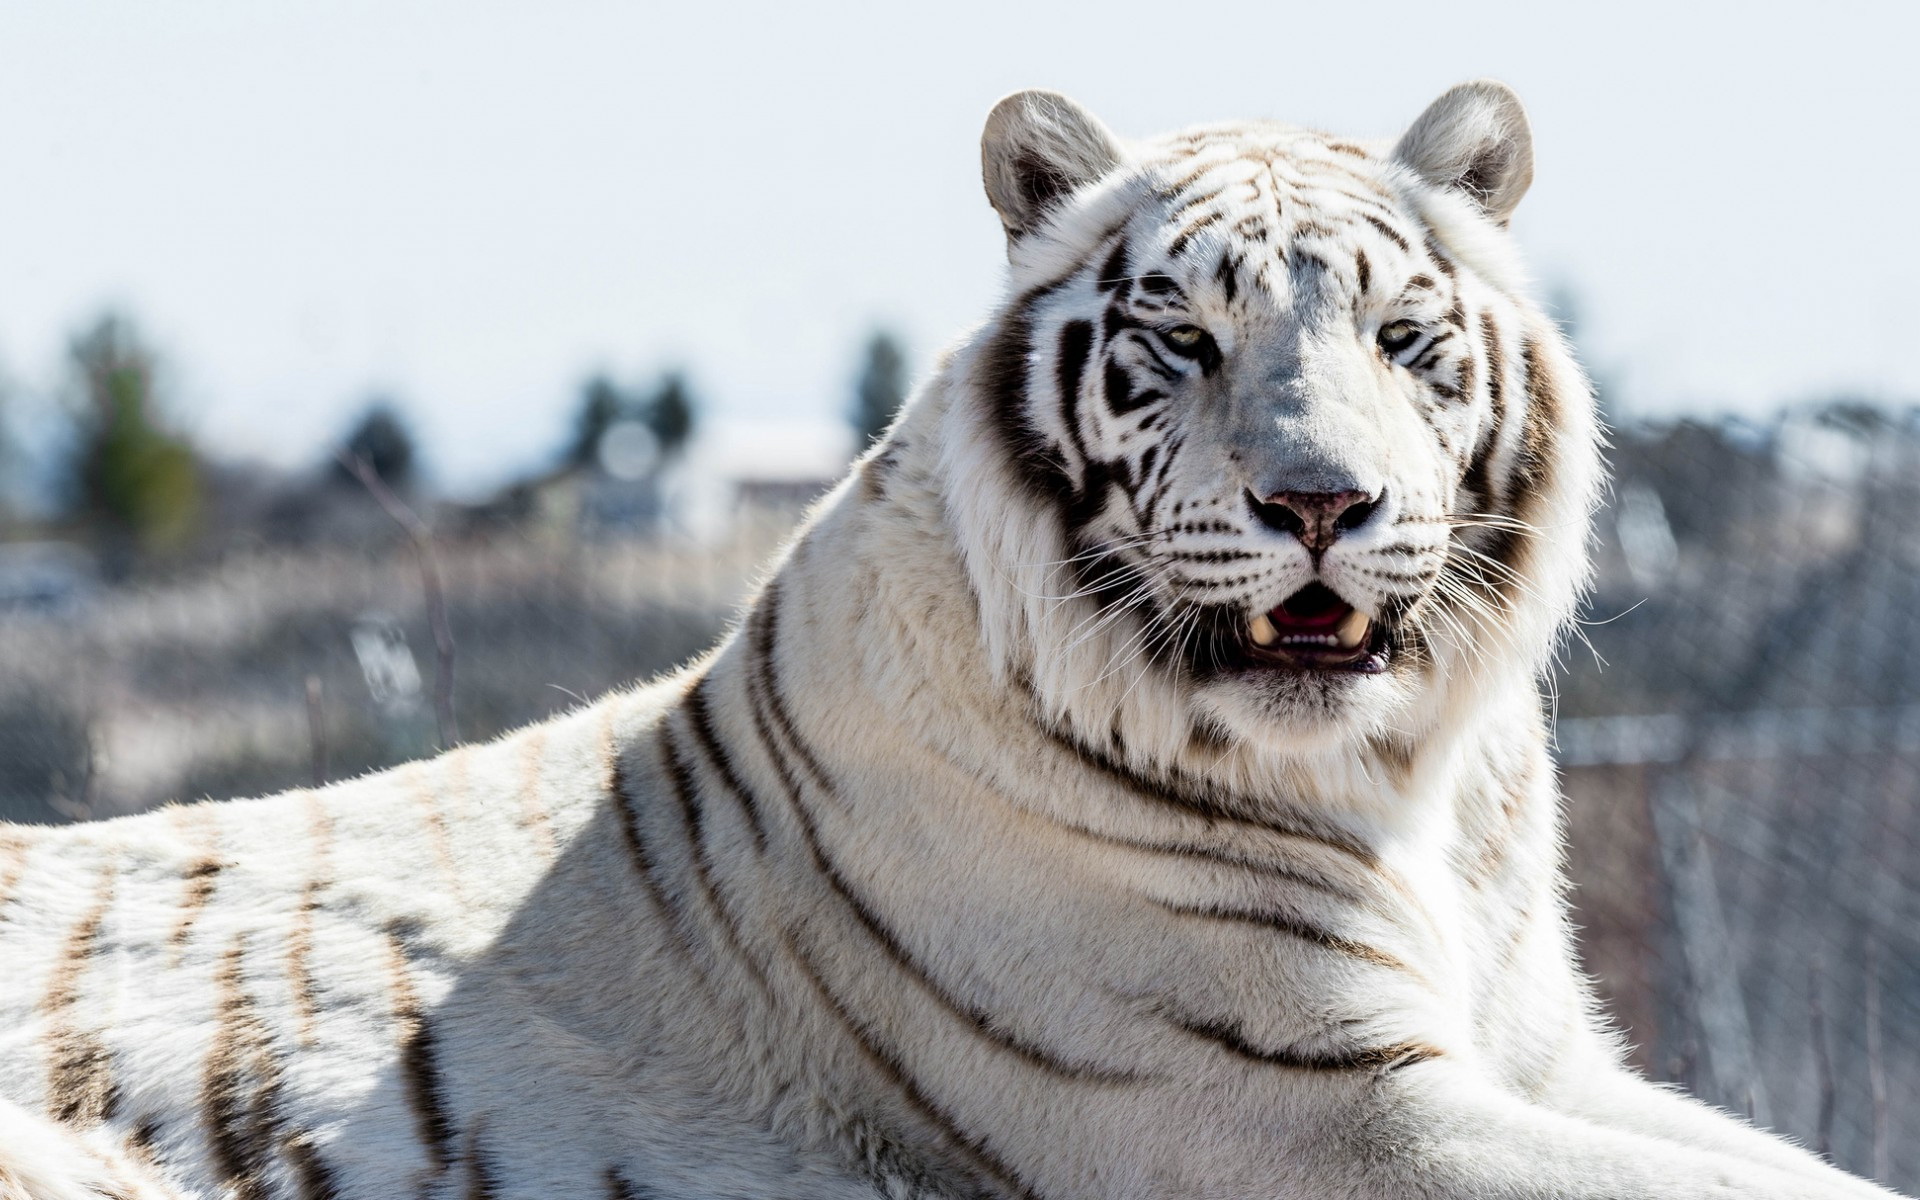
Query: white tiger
[[1131, 783]]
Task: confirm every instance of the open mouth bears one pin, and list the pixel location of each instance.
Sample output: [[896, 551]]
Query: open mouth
[[1315, 630]]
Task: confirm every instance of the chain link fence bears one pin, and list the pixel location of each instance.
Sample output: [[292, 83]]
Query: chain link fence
[[1738, 728]]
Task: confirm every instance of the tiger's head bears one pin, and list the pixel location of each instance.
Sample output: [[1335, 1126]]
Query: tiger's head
[[1267, 445]]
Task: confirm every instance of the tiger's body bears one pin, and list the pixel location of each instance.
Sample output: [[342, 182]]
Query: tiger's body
[[988, 856]]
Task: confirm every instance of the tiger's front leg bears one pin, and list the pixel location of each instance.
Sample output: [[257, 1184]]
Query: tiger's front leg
[[1613, 1097], [1435, 1130]]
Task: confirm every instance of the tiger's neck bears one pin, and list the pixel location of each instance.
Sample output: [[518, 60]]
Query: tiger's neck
[[1002, 881]]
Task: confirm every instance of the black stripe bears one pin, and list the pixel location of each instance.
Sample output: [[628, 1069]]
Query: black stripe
[[1306, 259], [1464, 383], [144, 1136], [1538, 423], [1178, 245], [311, 1173], [240, 1101], [1187, 206], [1198, 800], [1172, 192], [1478, 478], [1389, 232], [984, 1160], [1228, 275], [1526, 477], [1496, 367], [483, 1182], [80, 1086], [236, 1090], [1161, 366], [700, 716], [769, 741], [14, 850], [201, 879], [1115, 272], [1211, 854], [763, 630], [619, 1187], [629, 820], [1419, 577], [1211, 556], [1428, 356], [1292, 927], [1529, 476], [1229, 1037], [426, 1092], [693, 821], [1076, 343], [1120, 397], [1003, 378]]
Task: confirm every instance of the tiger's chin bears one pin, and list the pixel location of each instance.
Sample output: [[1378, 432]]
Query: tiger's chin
[[1309, 674], [1291, 709]]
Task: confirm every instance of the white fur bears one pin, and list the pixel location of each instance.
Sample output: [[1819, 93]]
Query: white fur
[[936, 949]]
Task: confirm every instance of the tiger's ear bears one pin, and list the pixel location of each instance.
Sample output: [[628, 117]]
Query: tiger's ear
[[1476, 141], [1037, 148]]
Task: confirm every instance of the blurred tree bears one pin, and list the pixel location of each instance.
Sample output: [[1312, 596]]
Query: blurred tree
[[136, 483], [669, 414], [881, 389], [11, 472], [602, 405], [383, 442], [1856, 415]]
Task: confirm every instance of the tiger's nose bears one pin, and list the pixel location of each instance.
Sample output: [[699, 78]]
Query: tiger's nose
[[1316, 518]]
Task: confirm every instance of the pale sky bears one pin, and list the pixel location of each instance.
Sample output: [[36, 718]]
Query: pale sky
[[471, 205]]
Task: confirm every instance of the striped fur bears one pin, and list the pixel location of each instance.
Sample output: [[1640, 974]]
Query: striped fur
[[963, 867]]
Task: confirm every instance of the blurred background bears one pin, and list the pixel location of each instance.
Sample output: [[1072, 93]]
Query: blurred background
[[379, 376]]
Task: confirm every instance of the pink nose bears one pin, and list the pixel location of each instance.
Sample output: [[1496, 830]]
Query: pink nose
[[1316, 518]]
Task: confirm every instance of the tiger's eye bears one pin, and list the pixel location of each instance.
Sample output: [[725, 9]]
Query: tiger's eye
[[1398, 335], [1186, 337]]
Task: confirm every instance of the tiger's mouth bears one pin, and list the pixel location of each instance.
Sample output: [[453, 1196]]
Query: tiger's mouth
[[1315, 630]]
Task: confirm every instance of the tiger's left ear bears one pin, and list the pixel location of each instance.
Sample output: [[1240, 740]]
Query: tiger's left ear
[[1039, 147], [1476, 141]]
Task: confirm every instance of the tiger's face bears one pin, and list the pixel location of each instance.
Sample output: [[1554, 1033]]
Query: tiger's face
[[1294, 423]]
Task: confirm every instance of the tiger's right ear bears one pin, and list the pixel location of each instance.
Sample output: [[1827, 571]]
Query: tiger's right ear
[[1474, 140], [1038, 148]]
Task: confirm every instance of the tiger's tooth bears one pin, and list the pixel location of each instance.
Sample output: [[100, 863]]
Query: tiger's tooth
[[1352, 629], [1264, 634]]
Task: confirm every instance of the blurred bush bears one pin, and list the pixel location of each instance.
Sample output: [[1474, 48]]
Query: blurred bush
[[138, 483]]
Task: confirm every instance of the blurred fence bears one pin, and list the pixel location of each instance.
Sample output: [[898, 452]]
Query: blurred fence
[[285, 667], [1743, 773]]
